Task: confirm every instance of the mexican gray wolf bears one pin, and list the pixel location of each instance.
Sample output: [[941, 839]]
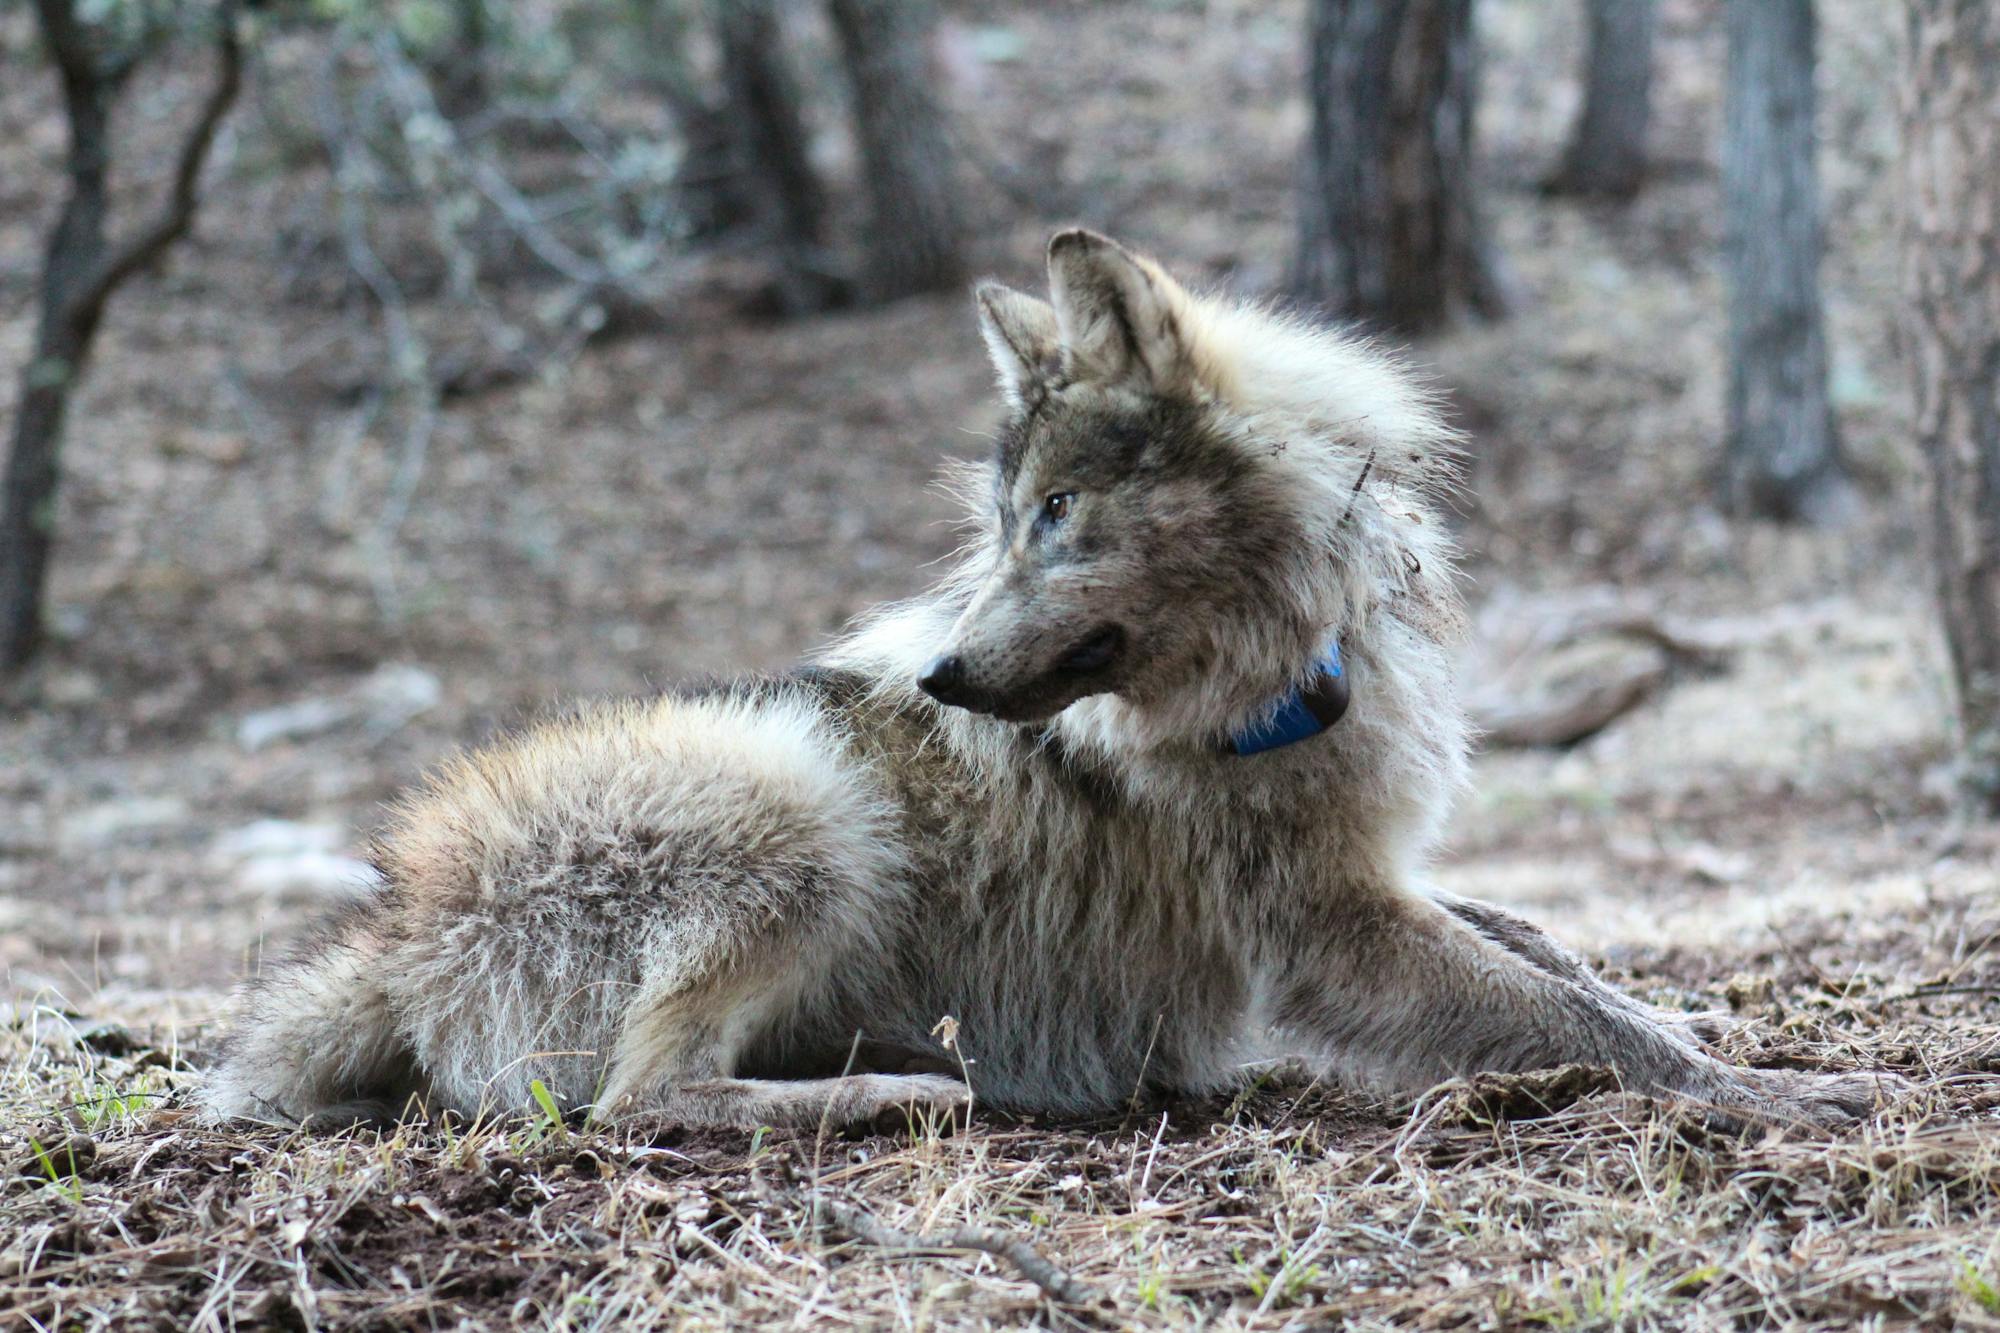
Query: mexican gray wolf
[[1140, 796]]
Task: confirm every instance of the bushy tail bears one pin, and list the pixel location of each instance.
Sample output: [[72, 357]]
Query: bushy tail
[[314, 1037]]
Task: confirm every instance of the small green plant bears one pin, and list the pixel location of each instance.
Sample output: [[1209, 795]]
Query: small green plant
[[1618, 1295], [1978, 1288], [549, 1121], [97, 1112], [1290, 1282], [1244, 1094], [1151, 1288], [67, 1183]]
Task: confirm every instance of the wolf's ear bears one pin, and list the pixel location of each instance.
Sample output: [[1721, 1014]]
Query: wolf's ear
[[1020, 335], [1120, 315]]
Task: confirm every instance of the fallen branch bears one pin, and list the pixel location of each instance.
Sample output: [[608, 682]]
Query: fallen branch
[[1553, 680], [1572, 717], [1685, 642], [865, 1226]]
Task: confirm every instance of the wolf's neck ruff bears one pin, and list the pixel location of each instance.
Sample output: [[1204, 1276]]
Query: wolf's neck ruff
[[1304, 713]]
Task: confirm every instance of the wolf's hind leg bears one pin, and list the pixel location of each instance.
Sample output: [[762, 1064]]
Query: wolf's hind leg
[[676, 1057], [1523, 937], [746, 1103]]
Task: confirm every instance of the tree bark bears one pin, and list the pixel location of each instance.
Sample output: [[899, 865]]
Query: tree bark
[[1782, 460], [459, 72], [80, 271], [1951, 168], [1606, 157], [1389, 232], [771, 144], [916, 229]]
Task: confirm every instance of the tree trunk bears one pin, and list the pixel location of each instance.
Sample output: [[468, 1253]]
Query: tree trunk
[[80, 271], [1782, 460], [916, 228], [458, 72], [62, 340], [1388, 228], [1951, 164], [771, 145], [1606, 157]]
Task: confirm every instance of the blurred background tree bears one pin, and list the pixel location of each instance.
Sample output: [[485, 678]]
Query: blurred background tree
[[771, 154], [95, 51], [1781, 459], [1606, 154], [1951, 171], [916, 224], [1389, 228]]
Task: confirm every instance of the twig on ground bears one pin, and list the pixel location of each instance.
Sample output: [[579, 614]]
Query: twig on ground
[[865, 1226], [1516, 711]]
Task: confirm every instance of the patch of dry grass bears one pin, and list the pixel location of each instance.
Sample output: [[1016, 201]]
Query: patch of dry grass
[[1546, 1201]]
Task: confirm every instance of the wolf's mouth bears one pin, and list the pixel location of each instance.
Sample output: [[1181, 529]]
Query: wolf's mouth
[[1097, 653], [1089, 667]]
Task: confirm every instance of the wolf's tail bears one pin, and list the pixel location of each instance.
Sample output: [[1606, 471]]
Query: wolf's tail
[[315, 1037]]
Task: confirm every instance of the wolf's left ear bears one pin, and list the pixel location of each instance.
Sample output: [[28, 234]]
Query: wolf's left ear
[[1120, 315], [1021, 337]]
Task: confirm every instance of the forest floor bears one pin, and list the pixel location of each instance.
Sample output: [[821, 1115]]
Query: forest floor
[[248, 663]]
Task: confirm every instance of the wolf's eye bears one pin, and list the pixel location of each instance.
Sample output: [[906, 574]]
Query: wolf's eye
[[1057, 505]]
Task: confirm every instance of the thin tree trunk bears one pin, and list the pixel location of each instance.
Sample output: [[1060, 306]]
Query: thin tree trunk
[[459, 73], [1388, 228], [1782, 459], [712, 184], [916, 229], [75, 246], [1951, 165], [1606, 157], [80, 271], [771, 141]]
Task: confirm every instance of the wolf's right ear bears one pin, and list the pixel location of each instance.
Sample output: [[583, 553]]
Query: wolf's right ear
[[1021, 336]]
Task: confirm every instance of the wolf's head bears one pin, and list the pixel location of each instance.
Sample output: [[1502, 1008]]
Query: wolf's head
[[1186, 501]]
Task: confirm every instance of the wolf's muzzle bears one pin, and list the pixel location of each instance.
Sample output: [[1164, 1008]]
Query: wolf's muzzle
[[1087, 668]]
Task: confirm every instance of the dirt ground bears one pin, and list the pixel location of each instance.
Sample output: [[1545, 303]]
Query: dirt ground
[[248, 663]]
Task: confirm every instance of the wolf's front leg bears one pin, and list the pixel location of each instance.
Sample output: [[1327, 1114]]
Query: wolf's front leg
[[1521, 936], [1412, 993]]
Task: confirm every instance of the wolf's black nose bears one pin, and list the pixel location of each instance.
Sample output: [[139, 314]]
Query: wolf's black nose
[[944, 679]]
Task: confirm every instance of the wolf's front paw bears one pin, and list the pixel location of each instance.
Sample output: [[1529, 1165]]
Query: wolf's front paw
[[1706, 1027], [1825, 1101]]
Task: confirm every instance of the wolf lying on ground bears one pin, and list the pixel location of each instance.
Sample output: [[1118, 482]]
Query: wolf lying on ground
[[1096, 798]]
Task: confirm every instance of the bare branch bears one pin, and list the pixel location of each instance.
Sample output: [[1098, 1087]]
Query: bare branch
[[68, 43], [177, 214]]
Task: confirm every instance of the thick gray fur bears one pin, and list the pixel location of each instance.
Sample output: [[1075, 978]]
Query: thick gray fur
[[755, 904]]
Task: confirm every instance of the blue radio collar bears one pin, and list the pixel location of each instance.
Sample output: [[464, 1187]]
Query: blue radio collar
[[1304, 713]]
